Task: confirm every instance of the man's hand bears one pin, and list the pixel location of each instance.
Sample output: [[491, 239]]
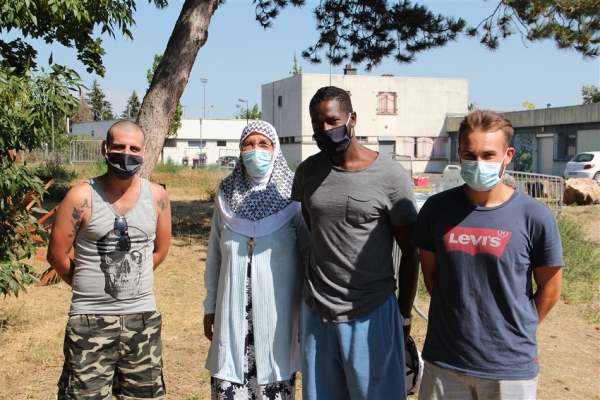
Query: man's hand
[[209, 321]]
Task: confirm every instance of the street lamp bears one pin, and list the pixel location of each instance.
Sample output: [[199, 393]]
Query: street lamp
[[247, 110], [204, 80], [208, 112]]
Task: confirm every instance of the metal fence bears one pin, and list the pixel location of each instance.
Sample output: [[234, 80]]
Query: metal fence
[[547, 189], [84, 151]]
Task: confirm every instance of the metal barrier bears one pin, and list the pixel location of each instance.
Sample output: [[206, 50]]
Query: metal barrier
[[547, 189], [84, 151]]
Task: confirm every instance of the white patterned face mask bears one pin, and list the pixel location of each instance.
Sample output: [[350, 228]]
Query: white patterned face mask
[[251, 201]]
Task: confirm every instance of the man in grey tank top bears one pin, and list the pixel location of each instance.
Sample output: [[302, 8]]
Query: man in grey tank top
[[118, 226], [356, 203]]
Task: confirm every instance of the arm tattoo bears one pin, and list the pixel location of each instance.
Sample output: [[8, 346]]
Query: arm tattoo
[[163, 202], [76, 221]]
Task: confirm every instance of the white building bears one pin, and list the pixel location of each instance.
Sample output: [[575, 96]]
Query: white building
[[204, 141], [198, 142], [397, 116]]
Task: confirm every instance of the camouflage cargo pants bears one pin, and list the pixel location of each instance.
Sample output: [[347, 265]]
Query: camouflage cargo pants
[[108, 355]]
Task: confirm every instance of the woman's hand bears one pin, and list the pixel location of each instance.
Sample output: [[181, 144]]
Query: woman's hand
[[209, 321]]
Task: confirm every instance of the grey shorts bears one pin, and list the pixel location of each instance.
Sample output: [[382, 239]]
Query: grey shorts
[[108, 355], [440, 383]]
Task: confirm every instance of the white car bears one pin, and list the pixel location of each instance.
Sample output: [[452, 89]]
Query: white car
[[584, 165]]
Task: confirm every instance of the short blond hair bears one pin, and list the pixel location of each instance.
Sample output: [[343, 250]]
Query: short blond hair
[[485, 121]]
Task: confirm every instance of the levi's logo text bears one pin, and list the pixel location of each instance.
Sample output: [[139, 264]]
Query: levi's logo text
[[476, 240]]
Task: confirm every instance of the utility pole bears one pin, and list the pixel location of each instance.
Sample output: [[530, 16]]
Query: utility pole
[[247, 109], [204, 80]]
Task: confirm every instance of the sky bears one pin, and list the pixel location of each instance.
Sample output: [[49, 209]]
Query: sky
[[240, 56]]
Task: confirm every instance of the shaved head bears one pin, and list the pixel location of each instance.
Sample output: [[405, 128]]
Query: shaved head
[[125, 125]]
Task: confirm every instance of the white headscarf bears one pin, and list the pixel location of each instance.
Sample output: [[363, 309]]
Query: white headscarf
[[242, 197]]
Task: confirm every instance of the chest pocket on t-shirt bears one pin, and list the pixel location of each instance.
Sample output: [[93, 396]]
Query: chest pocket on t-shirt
[[359, 211]]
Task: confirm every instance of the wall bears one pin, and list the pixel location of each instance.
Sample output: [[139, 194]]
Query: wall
[[422, 104], [588, 140]]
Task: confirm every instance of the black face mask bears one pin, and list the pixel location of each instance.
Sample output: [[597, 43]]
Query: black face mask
[[122, 165], [334, 141]]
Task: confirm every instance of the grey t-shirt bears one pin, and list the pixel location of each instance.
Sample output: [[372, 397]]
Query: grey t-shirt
[[352, 214]]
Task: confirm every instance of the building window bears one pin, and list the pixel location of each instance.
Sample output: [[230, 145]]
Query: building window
[[386, 103], [424, 148], [565, 146], [197, 143], [362, 138], [287, 139], [221, 143]]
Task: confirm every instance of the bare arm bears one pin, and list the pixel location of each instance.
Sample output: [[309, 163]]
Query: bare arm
[[72, 216], [408, 272], [549, 281], [428, 266], [162, 241]]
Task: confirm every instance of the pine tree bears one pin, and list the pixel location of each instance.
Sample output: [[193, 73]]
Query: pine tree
[[132, 108]]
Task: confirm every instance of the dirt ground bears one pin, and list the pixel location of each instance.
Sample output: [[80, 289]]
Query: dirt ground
[[32, 326]]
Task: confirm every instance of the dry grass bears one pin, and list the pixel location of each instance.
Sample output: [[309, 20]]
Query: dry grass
[[32, 326]]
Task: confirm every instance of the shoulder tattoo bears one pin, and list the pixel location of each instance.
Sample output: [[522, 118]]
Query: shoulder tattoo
[[76, 218], [163, 201]]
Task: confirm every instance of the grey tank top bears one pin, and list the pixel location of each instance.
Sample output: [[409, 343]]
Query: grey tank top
[[107, 280]]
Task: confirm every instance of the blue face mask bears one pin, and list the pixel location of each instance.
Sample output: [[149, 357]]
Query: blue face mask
[[257, 162], [481, 175]]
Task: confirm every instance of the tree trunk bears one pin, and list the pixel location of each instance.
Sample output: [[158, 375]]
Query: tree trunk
[[171, 76]]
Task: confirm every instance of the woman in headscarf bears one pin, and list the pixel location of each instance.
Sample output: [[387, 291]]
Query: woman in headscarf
[[257, 250]]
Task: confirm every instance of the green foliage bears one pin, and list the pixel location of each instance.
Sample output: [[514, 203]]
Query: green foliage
[[360, 31], [83, 112], [580, 273], [254, 113], [371, 31], [591, 94], [99, 167], [73, 24], [176, 121], [168, 168], [295, 69], [27, 102], [132, 109], [53, 167], [17, 226], [101, 109], [572, 24]]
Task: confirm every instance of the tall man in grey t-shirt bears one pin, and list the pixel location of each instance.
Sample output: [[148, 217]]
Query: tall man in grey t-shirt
[[356, 202]]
